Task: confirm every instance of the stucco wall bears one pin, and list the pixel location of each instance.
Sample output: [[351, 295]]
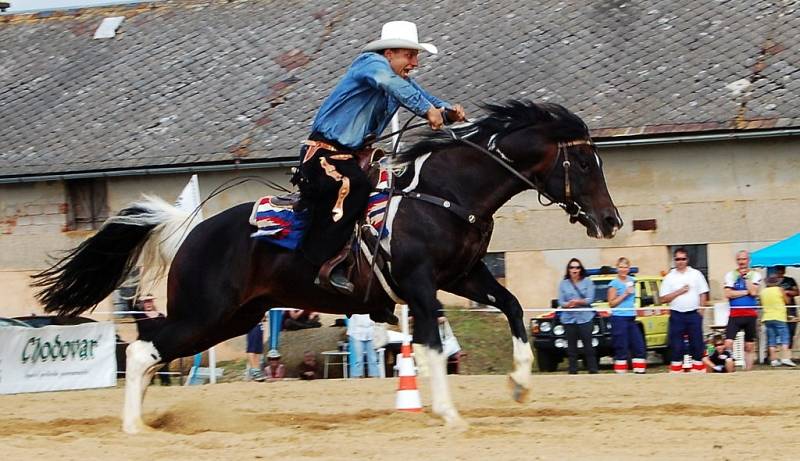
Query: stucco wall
[[728, 195]]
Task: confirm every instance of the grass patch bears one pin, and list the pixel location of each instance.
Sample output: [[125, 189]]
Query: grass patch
[[486, 339]]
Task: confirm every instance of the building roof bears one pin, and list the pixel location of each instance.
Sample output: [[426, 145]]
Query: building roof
[[221, 81]]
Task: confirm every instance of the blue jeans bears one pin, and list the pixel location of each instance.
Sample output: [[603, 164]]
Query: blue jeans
[[777, 333], [357, 352]]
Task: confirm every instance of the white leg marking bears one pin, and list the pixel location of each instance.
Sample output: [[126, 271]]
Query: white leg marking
[[521, 376], [441, 401], [142, 357]]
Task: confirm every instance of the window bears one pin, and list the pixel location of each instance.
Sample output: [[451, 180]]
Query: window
[[496, 262], [698, 256], [87, 203]]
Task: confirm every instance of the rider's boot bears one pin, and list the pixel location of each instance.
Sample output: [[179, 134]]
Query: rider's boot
[[340, 281], [332, 275]]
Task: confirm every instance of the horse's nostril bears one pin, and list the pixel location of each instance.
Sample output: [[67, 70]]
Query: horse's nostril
[[612, 222]]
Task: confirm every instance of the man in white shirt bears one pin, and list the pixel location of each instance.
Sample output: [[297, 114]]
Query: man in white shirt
[[685, 289]]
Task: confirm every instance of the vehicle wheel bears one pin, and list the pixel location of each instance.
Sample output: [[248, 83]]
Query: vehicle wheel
[[546, 361]]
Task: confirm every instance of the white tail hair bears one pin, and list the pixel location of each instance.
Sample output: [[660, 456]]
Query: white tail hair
[[172, 227]]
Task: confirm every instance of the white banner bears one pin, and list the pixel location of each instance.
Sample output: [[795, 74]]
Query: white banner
[[57, 357]]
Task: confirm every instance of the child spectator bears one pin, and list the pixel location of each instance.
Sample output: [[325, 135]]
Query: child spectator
[[275, 370], [774, 318], [721, 360], [307, 370]]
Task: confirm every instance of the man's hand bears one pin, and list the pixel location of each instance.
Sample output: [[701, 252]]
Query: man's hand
[[435, 119], [456, 114]]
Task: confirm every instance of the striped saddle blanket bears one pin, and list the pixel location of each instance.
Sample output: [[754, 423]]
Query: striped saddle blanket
[[279, 224]]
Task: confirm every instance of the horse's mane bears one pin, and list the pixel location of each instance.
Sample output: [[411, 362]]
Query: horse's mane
[[553, 120]]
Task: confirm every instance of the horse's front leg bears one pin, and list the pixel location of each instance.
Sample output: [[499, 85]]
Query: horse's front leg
[[480, 286], [419, 290]]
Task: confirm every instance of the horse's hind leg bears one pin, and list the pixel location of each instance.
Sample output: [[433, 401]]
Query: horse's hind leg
[[140, 364], [175, 339], [480, 286]]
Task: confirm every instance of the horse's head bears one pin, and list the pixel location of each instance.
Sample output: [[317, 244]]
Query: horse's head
[[551, 147]]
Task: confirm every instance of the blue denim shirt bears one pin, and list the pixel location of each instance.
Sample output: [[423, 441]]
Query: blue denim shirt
[[567, 292], [365, 100]]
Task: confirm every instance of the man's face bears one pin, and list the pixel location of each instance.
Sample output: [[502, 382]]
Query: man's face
[[681, 260], [149, 305], [402, 61], [309, 359], [743, 260]]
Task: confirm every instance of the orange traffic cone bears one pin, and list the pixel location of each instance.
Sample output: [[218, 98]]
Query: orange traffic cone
[[407, 392]]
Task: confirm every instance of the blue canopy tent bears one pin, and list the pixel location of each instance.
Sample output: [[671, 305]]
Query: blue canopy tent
[[783, 253]]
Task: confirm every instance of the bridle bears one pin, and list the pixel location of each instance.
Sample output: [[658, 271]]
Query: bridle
[[570, 206]]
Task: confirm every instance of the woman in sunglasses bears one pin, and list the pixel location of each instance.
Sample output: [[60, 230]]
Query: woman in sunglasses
[[576, 291]]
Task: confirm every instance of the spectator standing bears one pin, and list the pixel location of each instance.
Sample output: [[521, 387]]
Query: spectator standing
[[789, 286], [741, 289], [721, 359], [255, 352], [148, 324], [308, 369], [275, 370], [626, 337], [576, 291], [774, 318], [685, 289], [360, 329]]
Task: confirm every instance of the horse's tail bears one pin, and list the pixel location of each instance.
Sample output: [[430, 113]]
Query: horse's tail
[[151, 228]]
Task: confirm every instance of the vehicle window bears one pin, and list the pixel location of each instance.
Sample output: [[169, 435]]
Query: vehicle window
[[601, 291], [653, 288]]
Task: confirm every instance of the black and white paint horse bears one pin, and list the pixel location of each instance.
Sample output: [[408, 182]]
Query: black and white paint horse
[[221, 282]]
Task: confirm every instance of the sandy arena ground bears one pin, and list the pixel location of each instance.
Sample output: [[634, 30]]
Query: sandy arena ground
[[658, 416]]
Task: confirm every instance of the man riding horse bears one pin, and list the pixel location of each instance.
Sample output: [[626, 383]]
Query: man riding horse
[[332, 183]]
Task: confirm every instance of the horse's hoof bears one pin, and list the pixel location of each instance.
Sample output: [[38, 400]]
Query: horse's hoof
[[518, 392], [136, 427], [456, 423]]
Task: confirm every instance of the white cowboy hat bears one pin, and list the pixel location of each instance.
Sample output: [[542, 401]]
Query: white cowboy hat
[[147, 297], [400, 34]]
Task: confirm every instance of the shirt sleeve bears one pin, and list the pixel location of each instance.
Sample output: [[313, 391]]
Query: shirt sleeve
[[378, 74], [431, 98], [702, 285], [730, 281], [666, 286]]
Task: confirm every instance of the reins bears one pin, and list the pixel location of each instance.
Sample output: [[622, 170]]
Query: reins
[[569, 206], [498, 156]]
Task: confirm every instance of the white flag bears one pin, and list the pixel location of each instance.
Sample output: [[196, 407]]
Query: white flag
[[189, 200]]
